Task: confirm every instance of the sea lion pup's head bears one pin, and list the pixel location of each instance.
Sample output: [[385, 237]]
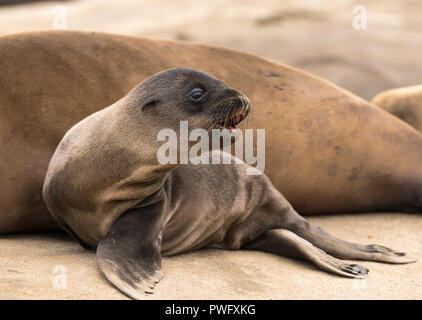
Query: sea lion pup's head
[[190, 95], [107, 163]]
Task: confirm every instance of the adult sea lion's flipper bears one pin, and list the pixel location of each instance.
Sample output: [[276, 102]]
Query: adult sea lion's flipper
[[286, 243], [130, 254]]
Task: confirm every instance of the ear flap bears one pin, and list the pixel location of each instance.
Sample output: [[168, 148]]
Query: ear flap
[[149, 102]]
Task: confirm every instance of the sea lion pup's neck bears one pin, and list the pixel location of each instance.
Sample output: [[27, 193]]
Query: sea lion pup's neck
[[131, 139]]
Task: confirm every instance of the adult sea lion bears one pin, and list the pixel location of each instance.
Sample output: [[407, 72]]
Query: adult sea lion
[[405, 103], [106, 187], [327, 150]]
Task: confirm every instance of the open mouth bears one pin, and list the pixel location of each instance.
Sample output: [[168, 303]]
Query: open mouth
[[231, 112], [231, 122]]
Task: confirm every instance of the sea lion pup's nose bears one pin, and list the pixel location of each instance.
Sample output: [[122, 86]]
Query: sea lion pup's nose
[[230, 93], [232, 109], [233, 93]]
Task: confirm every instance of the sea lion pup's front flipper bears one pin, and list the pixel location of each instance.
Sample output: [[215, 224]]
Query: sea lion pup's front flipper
[[130, 254]]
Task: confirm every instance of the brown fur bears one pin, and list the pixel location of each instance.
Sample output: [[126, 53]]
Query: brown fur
[[405, 103]]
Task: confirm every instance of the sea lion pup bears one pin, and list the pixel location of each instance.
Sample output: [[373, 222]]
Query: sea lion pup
[[105, 186], [405, 103]]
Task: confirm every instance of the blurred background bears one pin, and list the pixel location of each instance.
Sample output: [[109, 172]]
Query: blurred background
[[314, 35]]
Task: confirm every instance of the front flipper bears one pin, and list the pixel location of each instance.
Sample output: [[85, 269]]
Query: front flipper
[[130, 254]]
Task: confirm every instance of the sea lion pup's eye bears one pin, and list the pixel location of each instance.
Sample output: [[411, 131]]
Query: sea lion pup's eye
[[196, 94]]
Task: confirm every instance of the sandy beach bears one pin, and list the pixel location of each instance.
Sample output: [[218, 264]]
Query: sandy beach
[[29, 265]]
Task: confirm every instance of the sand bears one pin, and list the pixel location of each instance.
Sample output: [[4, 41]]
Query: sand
[[30, 263]]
